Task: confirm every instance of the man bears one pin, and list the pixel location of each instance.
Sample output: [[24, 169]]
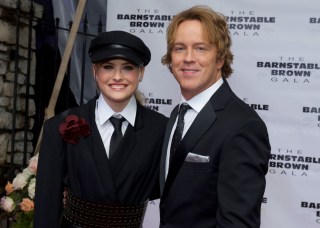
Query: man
[[215, 176]]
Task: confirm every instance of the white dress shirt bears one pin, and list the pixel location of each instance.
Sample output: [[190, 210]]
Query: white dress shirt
[[196, 103], [102, 114]]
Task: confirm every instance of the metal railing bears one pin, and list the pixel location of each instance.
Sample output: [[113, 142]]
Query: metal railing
[[48, 60]]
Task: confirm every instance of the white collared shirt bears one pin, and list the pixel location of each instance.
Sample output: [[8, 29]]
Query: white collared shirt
[[196, 103], [102, 114]]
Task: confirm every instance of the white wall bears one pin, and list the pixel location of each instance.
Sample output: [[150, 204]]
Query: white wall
[[286, 33]]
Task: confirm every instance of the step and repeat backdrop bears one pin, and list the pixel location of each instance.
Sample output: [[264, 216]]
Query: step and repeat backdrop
[[276, 45]]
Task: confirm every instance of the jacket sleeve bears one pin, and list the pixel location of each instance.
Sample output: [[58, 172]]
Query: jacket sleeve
[[241, 182], [48, 196]]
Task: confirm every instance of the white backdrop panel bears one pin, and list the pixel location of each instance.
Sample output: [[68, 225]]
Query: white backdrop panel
[[285, 33]]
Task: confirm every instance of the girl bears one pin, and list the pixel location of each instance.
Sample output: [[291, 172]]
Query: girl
[[105, 153]]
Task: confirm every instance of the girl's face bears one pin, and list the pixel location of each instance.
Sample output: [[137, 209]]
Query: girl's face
[[117, 80]]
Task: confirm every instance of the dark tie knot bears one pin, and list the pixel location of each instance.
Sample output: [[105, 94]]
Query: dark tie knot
[[183, 109], [116, 122]]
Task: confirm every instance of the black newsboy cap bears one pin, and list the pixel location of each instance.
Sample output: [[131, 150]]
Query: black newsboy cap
[[119, 44]]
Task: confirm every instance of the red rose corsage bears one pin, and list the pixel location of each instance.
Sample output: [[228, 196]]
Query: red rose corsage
[[73, 128]]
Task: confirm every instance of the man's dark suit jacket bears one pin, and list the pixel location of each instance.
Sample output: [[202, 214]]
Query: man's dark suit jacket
[[129, 177], [227, 190]]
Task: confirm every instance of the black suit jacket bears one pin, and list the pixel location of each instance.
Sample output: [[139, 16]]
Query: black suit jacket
[[227, 190], [129, 177]]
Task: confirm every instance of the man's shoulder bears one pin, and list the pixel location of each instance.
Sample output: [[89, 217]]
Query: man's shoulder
[[151, 113], [152, 119]]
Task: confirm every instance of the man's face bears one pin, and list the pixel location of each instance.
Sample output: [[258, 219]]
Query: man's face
[[194, 60]]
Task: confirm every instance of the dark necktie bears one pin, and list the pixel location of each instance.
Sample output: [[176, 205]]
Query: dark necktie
[[179, 129], [116, 136]]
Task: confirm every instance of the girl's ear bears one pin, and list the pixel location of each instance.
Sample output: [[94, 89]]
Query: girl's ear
[[94, 71], [141, 73]]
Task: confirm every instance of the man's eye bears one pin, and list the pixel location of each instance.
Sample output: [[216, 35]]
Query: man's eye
[[201, 48], [178, 49]]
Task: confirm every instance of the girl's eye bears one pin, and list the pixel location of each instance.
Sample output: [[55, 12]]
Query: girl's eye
[[128, 68], [108, 67]]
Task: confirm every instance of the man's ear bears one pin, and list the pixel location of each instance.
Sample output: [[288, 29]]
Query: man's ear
[[220, 63]]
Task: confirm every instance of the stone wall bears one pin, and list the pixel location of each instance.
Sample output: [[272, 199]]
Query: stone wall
[[13, 90]]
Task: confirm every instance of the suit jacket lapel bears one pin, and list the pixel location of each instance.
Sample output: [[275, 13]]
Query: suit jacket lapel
[[122, 154], [169, 127], [96, 147], [200, 125], [203, 121]]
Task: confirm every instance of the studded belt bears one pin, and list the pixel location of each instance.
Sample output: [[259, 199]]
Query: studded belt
[[86, 214]]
